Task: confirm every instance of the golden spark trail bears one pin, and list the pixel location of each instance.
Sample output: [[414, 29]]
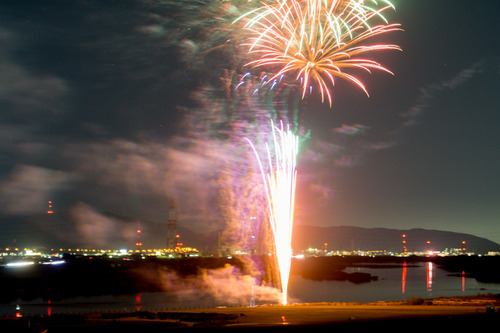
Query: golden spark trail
[[280, 182]]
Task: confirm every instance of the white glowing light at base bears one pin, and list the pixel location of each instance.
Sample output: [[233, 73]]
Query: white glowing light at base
[[20, 263], [280, 182]]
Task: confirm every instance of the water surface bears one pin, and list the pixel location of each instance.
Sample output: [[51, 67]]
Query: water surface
[[421, 280]]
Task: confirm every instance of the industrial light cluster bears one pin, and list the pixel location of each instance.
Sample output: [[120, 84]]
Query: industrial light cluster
[[20, 257]]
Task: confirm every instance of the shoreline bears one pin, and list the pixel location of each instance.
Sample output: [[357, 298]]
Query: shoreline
[[455, 312]]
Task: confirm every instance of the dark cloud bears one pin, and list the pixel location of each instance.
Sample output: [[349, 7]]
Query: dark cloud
[[29, 188]]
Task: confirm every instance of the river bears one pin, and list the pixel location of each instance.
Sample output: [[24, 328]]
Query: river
[[421, 280]]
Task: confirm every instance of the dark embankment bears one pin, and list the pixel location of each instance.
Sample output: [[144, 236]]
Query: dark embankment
[[482, 268], [100, 276]]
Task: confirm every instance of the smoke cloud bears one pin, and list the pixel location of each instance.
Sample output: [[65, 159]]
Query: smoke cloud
[[430, 92], [97, 230], [227, 285], [29, 188]]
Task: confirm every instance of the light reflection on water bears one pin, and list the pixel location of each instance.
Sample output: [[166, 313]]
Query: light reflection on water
[[397, 283]]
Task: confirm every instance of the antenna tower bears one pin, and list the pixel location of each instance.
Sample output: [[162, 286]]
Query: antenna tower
[[172, 227], [405, 249], [138, 242], [50, 210]]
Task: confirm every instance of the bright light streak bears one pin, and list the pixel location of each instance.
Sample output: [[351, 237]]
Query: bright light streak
[[20, 263], [57, 262], [280, 183]]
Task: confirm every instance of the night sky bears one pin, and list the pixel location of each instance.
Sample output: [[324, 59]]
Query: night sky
[[117, 107]]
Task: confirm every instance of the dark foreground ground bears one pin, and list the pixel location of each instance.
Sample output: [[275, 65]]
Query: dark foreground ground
[[459, 314]]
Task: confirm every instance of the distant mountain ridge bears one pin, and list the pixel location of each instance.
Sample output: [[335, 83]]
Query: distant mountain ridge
[[372, 239], [61, 231]]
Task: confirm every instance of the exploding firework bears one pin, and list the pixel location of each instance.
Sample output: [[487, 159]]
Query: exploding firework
[[317, 40], [280, 181], [314, 41]]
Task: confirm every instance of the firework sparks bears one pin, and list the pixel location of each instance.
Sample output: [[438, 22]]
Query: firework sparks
[[280, 182], [317, 39]]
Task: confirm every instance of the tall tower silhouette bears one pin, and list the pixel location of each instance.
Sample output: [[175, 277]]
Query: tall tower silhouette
[[138, 242], [405, 249], [172, 227], [50, 209]]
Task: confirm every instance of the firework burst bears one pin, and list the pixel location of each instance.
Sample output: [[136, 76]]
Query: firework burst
[[317, 40]]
